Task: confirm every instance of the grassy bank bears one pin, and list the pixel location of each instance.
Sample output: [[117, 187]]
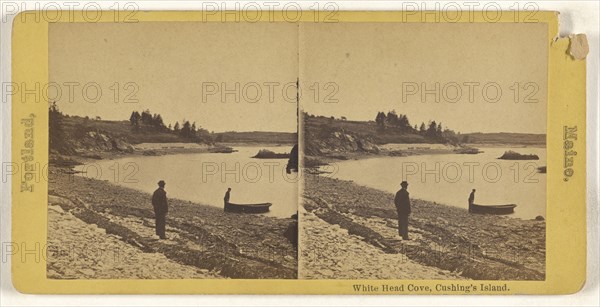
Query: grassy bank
[[482, 247]]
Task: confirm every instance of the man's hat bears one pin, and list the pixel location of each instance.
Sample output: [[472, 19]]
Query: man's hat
[[161, 183], [404, 184]]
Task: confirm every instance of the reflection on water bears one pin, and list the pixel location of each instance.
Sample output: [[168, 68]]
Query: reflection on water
[[448, 179], [204, 178]]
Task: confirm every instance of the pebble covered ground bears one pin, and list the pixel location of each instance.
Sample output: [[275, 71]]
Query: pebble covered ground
[[203, 241], [333, 253], [474, 246], [77, 250], [98, 230]]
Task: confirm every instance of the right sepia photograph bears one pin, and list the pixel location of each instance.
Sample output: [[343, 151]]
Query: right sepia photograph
[[423, 151]]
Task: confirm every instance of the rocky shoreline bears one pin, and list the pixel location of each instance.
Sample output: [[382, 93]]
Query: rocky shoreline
[[208, 241], [347, 231], [480, 247]]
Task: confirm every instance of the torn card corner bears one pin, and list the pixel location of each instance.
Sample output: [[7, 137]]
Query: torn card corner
[[578, 46]]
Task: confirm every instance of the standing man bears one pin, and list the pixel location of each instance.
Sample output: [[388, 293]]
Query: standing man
[[471, 200], [226, 198], [402, 202], [159, 202]]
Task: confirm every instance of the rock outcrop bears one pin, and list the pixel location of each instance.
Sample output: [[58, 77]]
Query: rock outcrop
[[337, 142], [96, 141]]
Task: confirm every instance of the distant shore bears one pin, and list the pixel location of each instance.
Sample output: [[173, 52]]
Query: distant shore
[[505, 145], [312, 162], [216, 243], [224, 148], [481, 247]]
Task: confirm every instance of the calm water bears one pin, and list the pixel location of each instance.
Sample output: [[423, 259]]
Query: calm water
[[448, 179], [204, 178]]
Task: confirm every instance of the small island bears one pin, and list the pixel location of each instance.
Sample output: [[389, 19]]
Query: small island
[[466, 150], [222, 149], [512, 155], [267, 154]]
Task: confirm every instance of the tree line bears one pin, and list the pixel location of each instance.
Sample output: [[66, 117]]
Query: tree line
[[146, 121], [399, 122]]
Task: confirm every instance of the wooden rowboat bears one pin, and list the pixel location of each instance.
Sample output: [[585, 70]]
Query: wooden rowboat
[[247, 208], [494, 209]]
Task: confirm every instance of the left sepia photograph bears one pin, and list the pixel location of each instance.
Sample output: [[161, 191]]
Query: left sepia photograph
[[173, 150]]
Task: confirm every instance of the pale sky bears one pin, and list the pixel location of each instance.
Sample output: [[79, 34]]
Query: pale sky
[[373, 65], [174, 66]]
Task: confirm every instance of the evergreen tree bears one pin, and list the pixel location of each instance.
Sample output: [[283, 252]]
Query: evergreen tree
[[158, 122], [403, 123], [432, 130], [146, 117], [186, 130], [134, 119], [56, 133], [380, 119], [392, 118]]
